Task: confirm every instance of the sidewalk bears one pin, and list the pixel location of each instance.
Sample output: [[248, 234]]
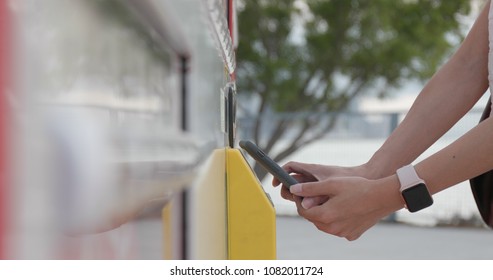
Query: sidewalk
[[299, 239]]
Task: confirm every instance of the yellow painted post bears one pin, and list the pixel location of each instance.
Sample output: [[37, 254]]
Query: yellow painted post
[[167, 231], [208, 228], [172, 220], [251, 214], [231, 215]]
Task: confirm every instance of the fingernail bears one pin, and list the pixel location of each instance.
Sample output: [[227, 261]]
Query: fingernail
[[295, 188], [308, 202], [305, 205]]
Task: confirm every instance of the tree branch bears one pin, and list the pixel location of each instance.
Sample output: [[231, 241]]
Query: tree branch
[[297, 143], [260, 112], [276, 135], [307, 125]]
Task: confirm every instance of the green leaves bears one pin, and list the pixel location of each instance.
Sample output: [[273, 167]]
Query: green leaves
[[363, 40], [315, 56]]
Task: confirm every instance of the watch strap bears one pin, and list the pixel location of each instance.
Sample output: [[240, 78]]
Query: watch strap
[[408, 177]]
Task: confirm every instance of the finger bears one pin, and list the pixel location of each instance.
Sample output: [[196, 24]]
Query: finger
[[309, 202], [275, 182], [323, 188], [299, 168], [301, 178], [319, 214], [332, 228], [286, 194], [297, 200]]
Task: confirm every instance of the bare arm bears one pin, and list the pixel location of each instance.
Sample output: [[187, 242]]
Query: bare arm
[[356, 204], [451, 92], [467, 157]]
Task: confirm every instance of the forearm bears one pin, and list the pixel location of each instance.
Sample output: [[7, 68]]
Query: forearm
[[450, 93], [356, 203], [467, 157], [435, 111]]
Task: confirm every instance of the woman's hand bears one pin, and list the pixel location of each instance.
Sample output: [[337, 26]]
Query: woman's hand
[[354, 204], [304, 172]]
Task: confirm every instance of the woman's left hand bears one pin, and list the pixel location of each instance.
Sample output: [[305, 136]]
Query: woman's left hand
[[355, 204]]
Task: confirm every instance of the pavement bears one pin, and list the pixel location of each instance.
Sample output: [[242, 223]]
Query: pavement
[[300, 240]]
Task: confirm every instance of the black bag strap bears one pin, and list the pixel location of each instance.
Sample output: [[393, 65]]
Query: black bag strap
[[482, 185]]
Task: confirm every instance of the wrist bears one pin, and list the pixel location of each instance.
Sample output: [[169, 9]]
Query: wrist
[[372, 171], [382, 165], [388, 196]]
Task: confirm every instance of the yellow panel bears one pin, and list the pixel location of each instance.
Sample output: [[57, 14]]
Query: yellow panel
[[208, 210], [231, 217], [172, 230], [167, 233], [251, 214]]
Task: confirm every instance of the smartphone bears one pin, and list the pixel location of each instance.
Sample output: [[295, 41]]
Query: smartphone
[[267, 163]]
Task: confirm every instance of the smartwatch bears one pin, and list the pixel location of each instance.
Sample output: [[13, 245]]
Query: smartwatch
[[413, 189]]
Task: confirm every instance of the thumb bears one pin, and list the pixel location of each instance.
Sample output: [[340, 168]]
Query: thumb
[[325, 188]]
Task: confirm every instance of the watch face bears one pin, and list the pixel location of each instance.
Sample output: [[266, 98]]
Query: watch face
[[417, 197]]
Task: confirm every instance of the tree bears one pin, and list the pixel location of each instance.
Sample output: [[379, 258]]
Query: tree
[[345, 48]]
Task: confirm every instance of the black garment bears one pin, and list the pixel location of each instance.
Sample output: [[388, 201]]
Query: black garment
[[482, 185]]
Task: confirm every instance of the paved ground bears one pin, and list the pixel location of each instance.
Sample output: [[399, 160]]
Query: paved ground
[[299, 239]]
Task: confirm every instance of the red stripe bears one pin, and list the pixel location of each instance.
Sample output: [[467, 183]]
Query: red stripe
[[231, 25], [230, 20], [4, 82]]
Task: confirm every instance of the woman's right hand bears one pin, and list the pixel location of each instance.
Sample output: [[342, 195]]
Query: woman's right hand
[[306, 172]]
